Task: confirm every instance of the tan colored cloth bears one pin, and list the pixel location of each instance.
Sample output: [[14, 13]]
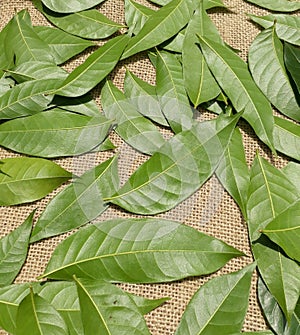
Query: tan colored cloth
[[211, 209]]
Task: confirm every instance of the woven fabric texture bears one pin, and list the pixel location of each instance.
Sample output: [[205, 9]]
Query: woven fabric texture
[[210, 210]]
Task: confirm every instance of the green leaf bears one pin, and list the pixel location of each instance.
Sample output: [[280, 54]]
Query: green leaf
[[13, 251], [208, 4], [24, 179], [278, 5], [284, 230], [132, 127], [143, 96], [54, 133], [232, 74], [161, 26], [177, 169], [171, 92], [292, 61], [78, 203], [89, 24], [24, 42], [281, 274], [95, 68], [138, 251], [7, 55], [219, 306], [233, 171], [145, 305], [107, 310], [37, 317], [70, 6], [270, 193], [268, 70], [136, 15], [292, 171], [287, 137], [199, 82], [63, 45], [274, 314], [287, 26], [263, 332], [27, 98], [5, 85]]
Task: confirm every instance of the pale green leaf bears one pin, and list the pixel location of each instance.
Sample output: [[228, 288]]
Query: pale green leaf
[[177, 169], [287, 137], [107, 310], [54, 133], [268, 70], [70, 6], [13, 251], [95, 68], [161, 26], [219, 306], [270, 193], [24, 179], [37, 317], [6, 84], [281, 274], [138, 250], [78, 203], [292, 62], [233, 171], [278, 5], [143, 96], [132, 127], [292, 171], [232, 74], [145, 305], [171, 92], [175, 44], [208, 4], [63, 45]]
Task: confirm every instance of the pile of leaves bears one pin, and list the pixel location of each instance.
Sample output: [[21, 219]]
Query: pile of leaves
[[47, 112]]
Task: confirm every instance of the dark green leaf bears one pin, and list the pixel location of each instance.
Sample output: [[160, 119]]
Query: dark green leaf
[[78, 203], [63, 45], [281, 274], [161, 26], [177, 169], [54, 133], [7, 54], [95, 68], [138, 250], [107, 310], [13, 251], [292, 62], [24, 179], [278, 5], [287, 137], [171, 92], [219, 306], [270, 193], [132, 127], [268, 70], [232, 74], [37, 317], [70, 6]]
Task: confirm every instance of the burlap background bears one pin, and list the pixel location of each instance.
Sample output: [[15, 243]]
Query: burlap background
[[210, 210]]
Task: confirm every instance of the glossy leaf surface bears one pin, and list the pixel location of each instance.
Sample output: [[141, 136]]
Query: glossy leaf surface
[[270, 193], [143, 96], [132, 127], [70, 6], [27, 98], [78, 203], [13, 251], [63, 45], [233, 171], [292, 62], [25, 179], [177, 169], [171, 92], [278, 5], [281, 274], [54, 133], [106, 310], [284, 230], [268, 70], [287, 137], [37, 317], [219, 306], [138, 250], [95, 68], [161, 26], [232, 74]]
